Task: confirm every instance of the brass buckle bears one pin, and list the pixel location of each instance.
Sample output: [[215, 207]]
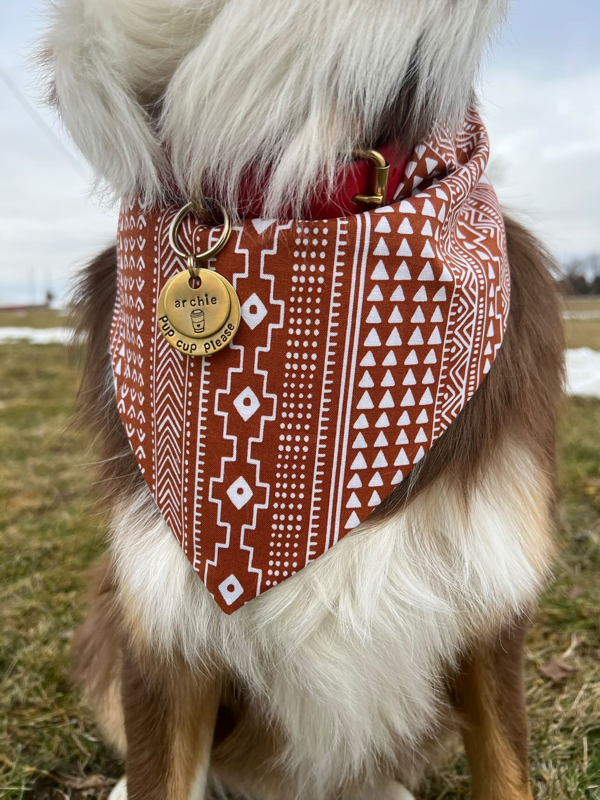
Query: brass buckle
[[381, 173]]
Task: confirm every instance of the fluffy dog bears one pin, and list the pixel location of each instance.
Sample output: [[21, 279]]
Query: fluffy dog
[[422, 635]]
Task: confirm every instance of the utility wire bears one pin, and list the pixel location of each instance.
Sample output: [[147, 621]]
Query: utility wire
[[41, 123]]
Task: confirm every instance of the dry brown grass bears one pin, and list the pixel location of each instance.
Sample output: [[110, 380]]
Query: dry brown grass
[[591, 303], [582, 332], [39, 318]]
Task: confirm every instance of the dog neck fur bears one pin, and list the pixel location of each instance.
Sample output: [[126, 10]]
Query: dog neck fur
[[283, 86]]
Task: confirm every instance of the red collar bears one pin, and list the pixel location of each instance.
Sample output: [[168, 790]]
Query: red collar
[[355, 178]]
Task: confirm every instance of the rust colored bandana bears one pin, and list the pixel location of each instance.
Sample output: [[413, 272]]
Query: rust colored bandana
[[361, 340]]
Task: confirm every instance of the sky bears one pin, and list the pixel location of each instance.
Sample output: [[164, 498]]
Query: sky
[[540, 92]]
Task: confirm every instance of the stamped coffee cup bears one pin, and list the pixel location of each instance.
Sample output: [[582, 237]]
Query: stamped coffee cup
[[198, 321]]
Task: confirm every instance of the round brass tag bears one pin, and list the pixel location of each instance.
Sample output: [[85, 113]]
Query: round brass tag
[[197, 312], [198, 321]]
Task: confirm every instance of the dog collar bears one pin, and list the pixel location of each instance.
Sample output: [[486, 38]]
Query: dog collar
[[355, 183], [360, 340]]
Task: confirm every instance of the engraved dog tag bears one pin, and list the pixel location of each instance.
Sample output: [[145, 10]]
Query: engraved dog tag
[[198, 316]]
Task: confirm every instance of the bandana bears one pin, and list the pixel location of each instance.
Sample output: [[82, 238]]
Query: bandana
[[361, 340]]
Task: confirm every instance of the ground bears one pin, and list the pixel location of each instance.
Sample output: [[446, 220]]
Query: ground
[[583, 332], [51, 531], [34, 318]]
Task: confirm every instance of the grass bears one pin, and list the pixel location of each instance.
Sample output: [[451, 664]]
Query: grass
[[40, 318], [50, 532], [583, 332], [584, 303]]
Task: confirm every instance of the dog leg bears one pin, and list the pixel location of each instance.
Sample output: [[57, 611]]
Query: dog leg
[[170, 716], [492, 699]]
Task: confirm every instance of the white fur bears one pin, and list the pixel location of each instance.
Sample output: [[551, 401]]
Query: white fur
[[390, 791], [348, 654], [120, 791], [397, 792], [287, 85]]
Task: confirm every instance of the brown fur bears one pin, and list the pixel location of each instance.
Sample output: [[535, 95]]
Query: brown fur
[[169, 726], [91, 314], [491, 696]]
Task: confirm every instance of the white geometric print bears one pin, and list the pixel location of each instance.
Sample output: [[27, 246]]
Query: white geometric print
[[362, 339], [231, 589], [253, 311], [240, 492], [247, 403]]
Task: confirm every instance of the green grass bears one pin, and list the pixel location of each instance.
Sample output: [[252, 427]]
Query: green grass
[[50, 532]]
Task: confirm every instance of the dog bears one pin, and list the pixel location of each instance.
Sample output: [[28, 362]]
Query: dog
[[291, 697]]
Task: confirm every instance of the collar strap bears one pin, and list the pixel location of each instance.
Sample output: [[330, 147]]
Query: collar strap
[[355, 188]]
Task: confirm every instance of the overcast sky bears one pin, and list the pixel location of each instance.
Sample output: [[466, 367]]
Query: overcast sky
[[541, 93]]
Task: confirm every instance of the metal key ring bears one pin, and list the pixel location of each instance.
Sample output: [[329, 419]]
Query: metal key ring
[[192, 258]]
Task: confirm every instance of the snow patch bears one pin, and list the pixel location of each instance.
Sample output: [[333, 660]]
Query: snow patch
[[583, 372]]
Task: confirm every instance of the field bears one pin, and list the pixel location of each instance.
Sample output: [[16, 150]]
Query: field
[[51, 531], [39, 318], [582, 332]]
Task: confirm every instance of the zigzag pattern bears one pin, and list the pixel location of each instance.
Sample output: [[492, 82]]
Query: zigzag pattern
[[201, 445], [169, 406]]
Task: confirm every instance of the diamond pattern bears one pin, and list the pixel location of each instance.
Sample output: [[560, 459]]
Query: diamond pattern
[[247, 403], [253, 311], [231, 589], [240, 492]]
